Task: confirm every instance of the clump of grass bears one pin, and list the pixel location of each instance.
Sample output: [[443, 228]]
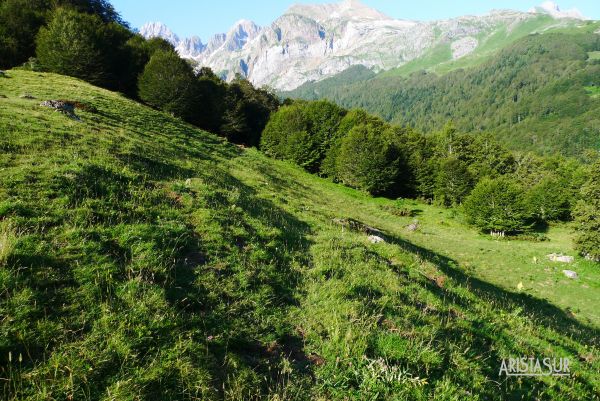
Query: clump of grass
[[8, 239]]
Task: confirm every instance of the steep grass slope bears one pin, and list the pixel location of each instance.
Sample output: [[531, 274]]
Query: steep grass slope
[[141, 258]]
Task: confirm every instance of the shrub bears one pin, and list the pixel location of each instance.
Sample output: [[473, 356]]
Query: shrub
[[350, 120], [211, 97], [168, 83], [368, 159], [496, 205], [587, 216], [20, 21]]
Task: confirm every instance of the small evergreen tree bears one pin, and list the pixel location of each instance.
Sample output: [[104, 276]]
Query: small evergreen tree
[[496, 206], [587, 216], [247, 112], [168, 83], [350, 120], [302, 132], [211, 101]]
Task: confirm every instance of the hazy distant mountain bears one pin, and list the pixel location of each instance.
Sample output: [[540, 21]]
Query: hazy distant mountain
[[313, 42]]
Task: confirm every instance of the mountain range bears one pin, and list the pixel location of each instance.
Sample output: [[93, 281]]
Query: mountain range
[[314, 42]]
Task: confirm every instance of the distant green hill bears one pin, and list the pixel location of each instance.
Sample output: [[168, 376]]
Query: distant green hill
[[538, 93], [144, 259]]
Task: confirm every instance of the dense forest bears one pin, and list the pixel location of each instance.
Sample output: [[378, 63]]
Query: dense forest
[[537, 94]]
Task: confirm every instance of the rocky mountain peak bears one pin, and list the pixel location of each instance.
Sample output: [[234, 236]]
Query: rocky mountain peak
[[159, 30], [311, 42], [346, 9]]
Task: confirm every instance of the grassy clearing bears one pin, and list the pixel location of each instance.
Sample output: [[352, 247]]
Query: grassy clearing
[[7, 242], [593, 91], [155, 261]]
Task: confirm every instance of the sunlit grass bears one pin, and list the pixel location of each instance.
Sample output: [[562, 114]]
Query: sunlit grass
[[151, 260]]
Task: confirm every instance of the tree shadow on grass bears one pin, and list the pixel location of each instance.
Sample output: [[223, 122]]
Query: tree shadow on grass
[[544, 312], [241, 293]]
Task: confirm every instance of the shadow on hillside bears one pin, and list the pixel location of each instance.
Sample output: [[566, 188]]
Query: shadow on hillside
[[543, 312], [221, 290]]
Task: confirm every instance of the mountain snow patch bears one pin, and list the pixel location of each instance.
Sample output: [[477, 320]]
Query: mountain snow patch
[[463, 46]]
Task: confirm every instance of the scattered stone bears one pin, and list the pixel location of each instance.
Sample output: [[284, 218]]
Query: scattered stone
[[570, 274], [375, 239], [414, 226], [555, 257], [520, 286], [355, 225], [61, 106], [592, 258], [27, 96]]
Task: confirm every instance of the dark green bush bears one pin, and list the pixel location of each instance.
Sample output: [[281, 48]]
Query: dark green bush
[[303, 132], [82, 46], [496, 205], [587, 216], [548, 200], [168, 83], [368, 159]]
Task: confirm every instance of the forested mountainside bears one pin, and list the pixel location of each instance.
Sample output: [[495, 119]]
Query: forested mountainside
[[539, 94]]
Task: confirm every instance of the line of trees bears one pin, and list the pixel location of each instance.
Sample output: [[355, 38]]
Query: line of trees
[[499, 191], [87, 39]]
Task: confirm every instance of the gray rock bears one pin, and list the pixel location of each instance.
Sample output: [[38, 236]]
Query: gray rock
[[61, 106], [27, 96], [570, 274], [375, 239], [414, 226], [355, 225], [554, 257]]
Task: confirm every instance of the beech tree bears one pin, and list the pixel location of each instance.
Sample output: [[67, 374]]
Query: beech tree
[[587, 216], [168, 83], [73, 44], [368, 159], [497, 206]]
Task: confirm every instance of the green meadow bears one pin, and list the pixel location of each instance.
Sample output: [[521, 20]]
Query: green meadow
[[143, 258]]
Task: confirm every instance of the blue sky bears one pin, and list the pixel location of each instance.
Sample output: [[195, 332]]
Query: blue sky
[[205, 18]]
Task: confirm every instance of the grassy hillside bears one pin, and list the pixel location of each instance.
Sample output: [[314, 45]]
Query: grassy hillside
[[141, 258], [533, 94]]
